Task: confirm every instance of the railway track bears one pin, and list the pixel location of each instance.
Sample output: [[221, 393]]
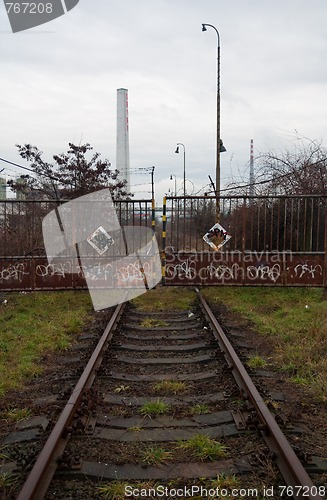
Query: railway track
[[163, 402]]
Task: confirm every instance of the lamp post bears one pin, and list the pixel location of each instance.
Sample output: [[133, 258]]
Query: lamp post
[[177, 151], [171, 178], [219, 145]]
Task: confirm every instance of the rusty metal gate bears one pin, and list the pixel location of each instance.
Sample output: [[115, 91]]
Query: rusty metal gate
[[276, 240], [24, 264]]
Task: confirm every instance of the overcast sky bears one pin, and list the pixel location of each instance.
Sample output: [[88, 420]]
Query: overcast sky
[[58, 83]]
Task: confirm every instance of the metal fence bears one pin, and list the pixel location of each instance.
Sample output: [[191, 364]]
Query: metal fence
[[276, 240], [280, 240], [23, 261], [21, 222], [270, 223]]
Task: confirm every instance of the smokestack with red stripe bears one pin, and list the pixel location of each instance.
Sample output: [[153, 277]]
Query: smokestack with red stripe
[[122, 145]]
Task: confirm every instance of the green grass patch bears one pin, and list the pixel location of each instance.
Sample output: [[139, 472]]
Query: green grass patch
[[165, 299], [256, 361], [225, 481], [121, 490], [33, 325], [294, 321], [8, 483], [113, 491], [16, 414], [204, 448], [155, 455], [154, 408], [199, 409]]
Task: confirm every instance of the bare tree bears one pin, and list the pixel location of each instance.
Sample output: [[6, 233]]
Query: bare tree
[[302, 170], [282, 222]]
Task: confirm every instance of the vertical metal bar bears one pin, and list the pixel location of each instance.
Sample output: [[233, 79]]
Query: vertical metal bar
[[153, 214], [164, 221], [304, 245], [33, 274], [298, 225], [189, 218], [243, 238], [251, 228], [184, 223], [291, 226], [272, 226], [178, 225], [4, 249], [229, 216], [317, 224], [285, 224], [311, 227], [258, 225], [278, 224], [265, 224]]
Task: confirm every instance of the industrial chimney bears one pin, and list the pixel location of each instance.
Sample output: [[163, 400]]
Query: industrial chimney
[[122, 145]]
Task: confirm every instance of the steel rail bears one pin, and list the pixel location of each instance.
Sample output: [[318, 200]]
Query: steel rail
[[289, 465], [44, 468]]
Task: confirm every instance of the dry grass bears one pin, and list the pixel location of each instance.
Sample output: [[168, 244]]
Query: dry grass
[[165, 298]]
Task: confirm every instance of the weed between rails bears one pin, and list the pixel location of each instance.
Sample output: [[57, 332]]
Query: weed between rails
[[156, 456], [153, 323], [154, 408], [168, 387], [204, 448]]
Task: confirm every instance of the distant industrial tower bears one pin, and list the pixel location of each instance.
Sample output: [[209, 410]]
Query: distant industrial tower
[[251, 169], [3, 190], [122, 146]]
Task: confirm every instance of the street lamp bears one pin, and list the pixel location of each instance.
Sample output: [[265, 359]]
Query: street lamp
[[177, 151], [171, 178], [220, 147]]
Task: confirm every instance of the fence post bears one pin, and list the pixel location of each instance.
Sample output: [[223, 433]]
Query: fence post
[[164, 234], [153, 214], [243, 240]]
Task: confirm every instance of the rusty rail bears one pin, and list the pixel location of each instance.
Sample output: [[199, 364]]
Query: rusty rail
[[289, 465], [291, 468], [44, 468]]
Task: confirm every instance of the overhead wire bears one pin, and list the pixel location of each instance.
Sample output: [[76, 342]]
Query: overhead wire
[[29, 169]]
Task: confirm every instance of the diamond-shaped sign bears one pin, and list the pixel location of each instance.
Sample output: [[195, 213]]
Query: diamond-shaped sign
[[100, 240]]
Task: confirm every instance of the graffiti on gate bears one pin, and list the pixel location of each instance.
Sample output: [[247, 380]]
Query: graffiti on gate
[[224, 271], [185, 269], [131, 273], [263, 272], [61, 269], [37, 273], [15, 272], [307, 270]]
